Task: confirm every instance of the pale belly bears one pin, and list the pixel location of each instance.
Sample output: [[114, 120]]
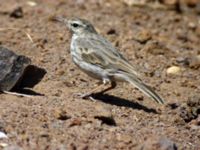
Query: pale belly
[[91, 70]]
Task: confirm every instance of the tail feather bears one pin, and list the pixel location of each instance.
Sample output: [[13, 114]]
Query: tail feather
[[145, 89]]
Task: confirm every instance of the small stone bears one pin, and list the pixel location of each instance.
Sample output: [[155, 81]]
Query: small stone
[[191, 110], [3, 144], [143, 36], [134, 2], [60, 72], [104, 114], [76, 122], [111, 31], [192, 25], [195, 124], [61, 115], [3, 135], [153, 143], [183, 61], [167, 144], [195, 62], [173, 70], [31, 3], [17, 13], [124, 138], [103, 111]]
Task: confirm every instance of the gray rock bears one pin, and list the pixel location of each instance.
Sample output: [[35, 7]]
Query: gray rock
[[12, 67]]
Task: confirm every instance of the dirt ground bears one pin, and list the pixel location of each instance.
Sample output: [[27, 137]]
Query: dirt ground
[[152, 39]]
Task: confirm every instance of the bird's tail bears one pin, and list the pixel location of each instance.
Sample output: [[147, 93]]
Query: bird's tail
[[135, 81]]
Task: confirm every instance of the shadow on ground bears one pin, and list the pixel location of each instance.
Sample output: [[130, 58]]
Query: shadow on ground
[[113, 100], [31, 77]]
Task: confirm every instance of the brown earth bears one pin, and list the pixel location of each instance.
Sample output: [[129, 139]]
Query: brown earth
[[153, 39]]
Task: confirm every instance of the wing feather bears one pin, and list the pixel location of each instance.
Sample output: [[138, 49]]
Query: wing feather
[[101, 52]]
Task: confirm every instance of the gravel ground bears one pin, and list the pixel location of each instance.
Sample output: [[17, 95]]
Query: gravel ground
[[162, 42]]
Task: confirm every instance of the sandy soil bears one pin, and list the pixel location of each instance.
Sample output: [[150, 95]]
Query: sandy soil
[[123, 118]]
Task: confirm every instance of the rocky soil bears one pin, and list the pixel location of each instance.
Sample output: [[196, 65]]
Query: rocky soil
[[160, 38]]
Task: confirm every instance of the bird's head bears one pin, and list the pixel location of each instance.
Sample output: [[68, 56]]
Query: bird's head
[[77, 26]]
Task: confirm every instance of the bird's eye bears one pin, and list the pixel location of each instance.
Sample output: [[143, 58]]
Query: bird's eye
[[75, 25]]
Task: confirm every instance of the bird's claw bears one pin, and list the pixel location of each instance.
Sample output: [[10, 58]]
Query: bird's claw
[[84, 96]]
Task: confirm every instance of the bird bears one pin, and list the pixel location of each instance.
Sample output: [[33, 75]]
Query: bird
[[98, 58]]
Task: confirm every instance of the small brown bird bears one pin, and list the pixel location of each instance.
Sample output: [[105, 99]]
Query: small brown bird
[[96, 56]]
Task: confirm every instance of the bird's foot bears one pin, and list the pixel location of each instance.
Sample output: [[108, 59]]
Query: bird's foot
[[84, 96]]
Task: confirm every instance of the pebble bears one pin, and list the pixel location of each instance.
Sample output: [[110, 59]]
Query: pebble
[[75, 122], [17, 13], [183, 61], [31, 3], [104, 114], [3, 144], [192, 61], [192, 25], [61, 115], [103, 111], [174, 70], [143, 36], [190, 111], [3, 135], [195, 62], [134, 2], [111, 31], [163, 143], [124, 138]]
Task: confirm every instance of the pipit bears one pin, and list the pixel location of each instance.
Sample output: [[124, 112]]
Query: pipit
[[96, 56]]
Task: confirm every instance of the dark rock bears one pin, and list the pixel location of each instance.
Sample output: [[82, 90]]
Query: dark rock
[[12, 67], [183, 61], [173, 105], [111, 31], [17, 13], [106, 120], [62, 115], [191, 109]]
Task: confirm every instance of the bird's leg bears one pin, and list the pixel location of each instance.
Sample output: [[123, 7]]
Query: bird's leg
[[112, 86], [88, 94], [105, 82]]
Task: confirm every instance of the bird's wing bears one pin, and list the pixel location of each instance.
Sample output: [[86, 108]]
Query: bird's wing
[[97, 50]]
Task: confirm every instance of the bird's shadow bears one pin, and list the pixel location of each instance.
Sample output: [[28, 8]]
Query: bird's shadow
[[31, 77], [113, 100]]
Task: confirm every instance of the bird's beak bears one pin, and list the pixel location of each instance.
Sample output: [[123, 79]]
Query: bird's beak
[[61, 19]]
